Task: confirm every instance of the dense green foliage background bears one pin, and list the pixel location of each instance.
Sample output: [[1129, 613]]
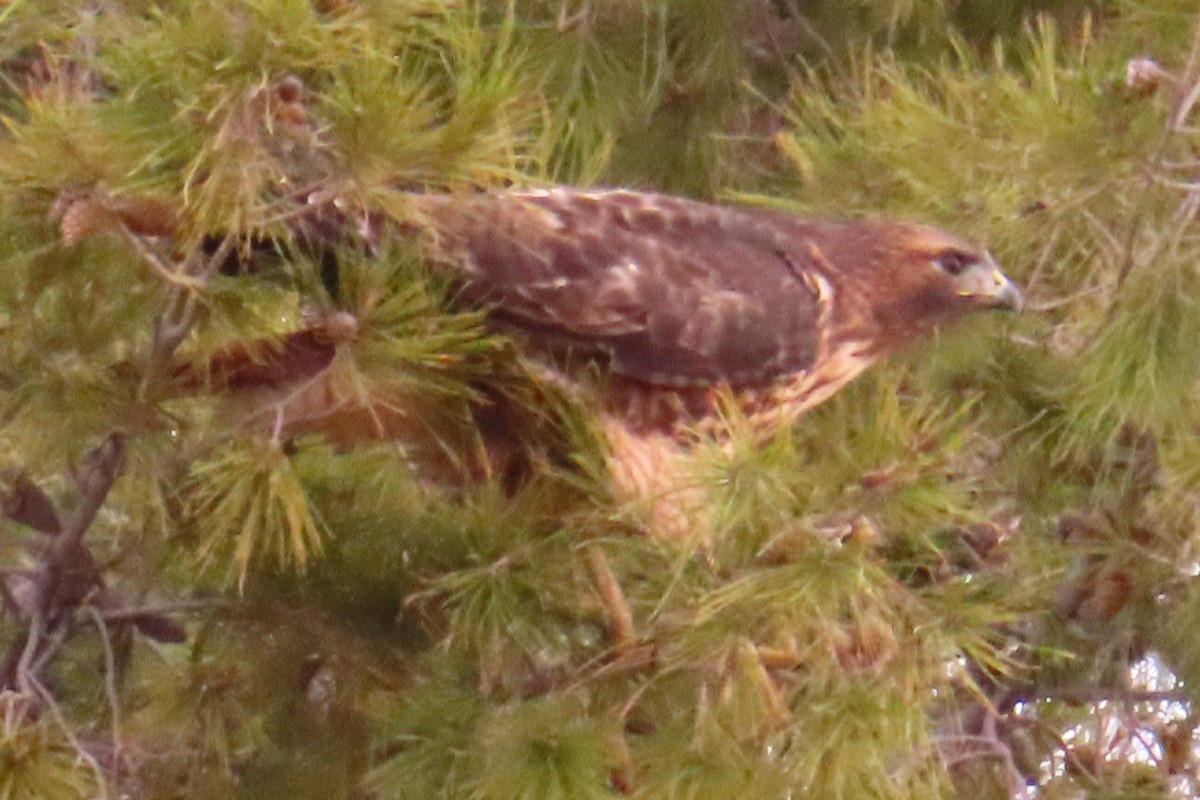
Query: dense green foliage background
[[970, 574]]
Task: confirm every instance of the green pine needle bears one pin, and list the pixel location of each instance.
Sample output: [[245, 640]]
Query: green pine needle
[[35, 760], [256, 511]]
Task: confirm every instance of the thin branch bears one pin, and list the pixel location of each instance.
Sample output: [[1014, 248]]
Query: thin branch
[[110, 681], [53, 644], [1189, 83], [100, 468], [966, 747], [1039, 266], [44, 694], [132, 613], [1004, 749], [170, 329], [1092, 694], [172, 277], [212, 264], [33, 637], [1129, 260], [67, 573], [175, 322]]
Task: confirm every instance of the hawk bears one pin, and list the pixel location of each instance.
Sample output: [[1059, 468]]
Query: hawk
[[685, 306]]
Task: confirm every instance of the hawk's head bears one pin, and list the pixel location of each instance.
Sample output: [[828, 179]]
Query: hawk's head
[[914, 277]]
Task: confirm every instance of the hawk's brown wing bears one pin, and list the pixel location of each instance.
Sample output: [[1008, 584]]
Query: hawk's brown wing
[[673, 291]]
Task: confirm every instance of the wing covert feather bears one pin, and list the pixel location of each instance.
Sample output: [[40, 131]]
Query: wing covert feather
[[674, 292]]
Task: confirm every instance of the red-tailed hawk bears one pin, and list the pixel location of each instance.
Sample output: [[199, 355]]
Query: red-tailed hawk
[[687, 304]]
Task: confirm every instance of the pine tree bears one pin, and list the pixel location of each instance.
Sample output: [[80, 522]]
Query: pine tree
[[969, 574]]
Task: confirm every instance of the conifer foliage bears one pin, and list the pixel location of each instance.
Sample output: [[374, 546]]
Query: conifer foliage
[[969, 574]]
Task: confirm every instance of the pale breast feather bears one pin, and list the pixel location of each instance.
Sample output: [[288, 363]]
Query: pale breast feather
[[674, 292]]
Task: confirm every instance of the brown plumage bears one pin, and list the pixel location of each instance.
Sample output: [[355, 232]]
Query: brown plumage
[[685, 303], [679, 297]]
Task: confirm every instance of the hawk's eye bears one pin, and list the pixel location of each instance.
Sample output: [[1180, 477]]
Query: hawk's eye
[[953, 262]]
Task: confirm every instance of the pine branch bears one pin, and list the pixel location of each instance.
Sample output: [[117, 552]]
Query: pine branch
[[93, 480], [1087, 695]]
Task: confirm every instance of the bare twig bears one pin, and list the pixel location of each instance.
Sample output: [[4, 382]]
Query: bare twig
[[170, 329], [176, 321], [1039, 266], [1189, 85], [175, 278], [110, 681], [94, 480], [134, 612], [1099, 694], [29, 651], [44, 694], [67, 572], [966, 747], [54, 642]]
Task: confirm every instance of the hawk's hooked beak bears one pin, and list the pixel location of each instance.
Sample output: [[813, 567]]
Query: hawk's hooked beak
[[990, 287]]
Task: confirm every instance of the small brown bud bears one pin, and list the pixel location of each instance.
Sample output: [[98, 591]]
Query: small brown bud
[[1096, 596], [81, 214], [877, 478], [82, 217], [866, 645]]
